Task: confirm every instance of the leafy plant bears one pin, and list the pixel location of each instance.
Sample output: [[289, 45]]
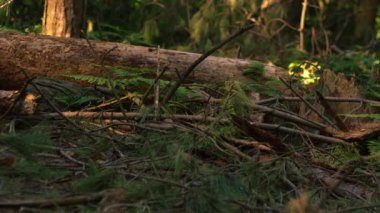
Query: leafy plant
[[361, 66], [27, 142], [374, 148]]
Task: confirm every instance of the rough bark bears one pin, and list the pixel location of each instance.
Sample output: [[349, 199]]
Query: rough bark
[[52, 57], [64, 18], [365, 21]]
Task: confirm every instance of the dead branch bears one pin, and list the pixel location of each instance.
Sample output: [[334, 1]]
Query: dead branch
[[61, 201]]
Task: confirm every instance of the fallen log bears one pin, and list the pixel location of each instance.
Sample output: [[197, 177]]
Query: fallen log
[[53, 57]]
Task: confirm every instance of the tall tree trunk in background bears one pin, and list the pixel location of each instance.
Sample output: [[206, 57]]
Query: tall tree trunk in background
[[64, 18], [365, 21]]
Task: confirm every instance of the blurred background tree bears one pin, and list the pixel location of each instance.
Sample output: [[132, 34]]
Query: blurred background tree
[[64, 18], [331, 26]]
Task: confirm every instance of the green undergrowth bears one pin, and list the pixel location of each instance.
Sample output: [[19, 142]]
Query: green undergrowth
[[123, 81], [175, 170], [185, 168], [364, 67]]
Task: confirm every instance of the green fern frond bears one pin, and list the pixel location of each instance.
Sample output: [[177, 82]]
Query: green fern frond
[[88, 78], [75, 101]]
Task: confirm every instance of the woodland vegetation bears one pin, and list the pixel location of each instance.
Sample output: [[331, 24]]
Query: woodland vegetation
[[189, 106]]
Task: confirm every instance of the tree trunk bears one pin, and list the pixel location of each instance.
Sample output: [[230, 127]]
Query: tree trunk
[[53, 57], [365, 21], [64, 18]]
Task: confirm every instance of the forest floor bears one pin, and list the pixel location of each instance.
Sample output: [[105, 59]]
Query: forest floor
[[221, 151]]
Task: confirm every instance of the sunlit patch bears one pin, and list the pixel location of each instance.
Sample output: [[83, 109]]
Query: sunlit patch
[[90, 26], [232, 3], [29, 104], [307, 72]]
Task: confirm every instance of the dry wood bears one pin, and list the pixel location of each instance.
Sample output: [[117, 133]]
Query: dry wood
[[53, 57], [61, 201], [7, 98], [366, 132], [343, 187], [131, 115], [276, 127]]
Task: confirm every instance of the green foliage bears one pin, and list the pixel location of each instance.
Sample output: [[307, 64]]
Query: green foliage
[[255, 70], [119, 79], [355, 64], [259, 84], [31, 170], [100, 81], [374, 148], [7, 29], [186, 155], [360, 65], [267, 87], [22, 15], [123, 79], [215, 20], [27, 142], [378, 25], [95, 181], [374, 116], [237, 102], [76, 101], [215, 192], [335, 156]]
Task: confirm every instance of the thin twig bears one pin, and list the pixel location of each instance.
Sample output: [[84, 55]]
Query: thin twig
[[152, 85], [157, 87], [55, 201], [17, 99], [55, 108], [66, 155], [253, 208], [343, 171], [358, 208], [120, 115], [237, 151], [190, 69], [154, 178], [291, 117], [309, 134], [327, 98], [331, 112], [307, 103], [6, 3]]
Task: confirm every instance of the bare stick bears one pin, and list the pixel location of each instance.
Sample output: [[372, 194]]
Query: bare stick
[[291, 117], [152, 85], [311, 135], [155, 179], [331, 112], [308, 104], [190, 69], [55, 201], [6, 3], [327, 98], [302, 25], [131, 115], [157, 87]]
